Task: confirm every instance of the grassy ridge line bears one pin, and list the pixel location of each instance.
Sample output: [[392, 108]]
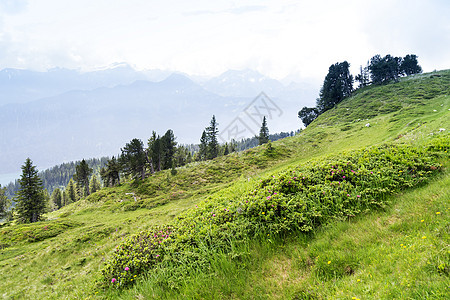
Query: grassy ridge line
[[74, 258], [298, 199]]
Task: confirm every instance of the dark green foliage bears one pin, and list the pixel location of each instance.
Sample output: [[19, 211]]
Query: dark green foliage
[[296, 199], [384, 69], [203, 151], [308, 114], [338, 84], [59, 176], [133, 159], [226, 149], [4, 202], [162, 150], [410, 65], [211, 134], [82, 174], [391, 98], [70, 192], [110, 174], [136, 255], [57, 198], [169, 148], [31, 201], [263, 132], [182, 156], [155, 152], [363, 77], [94, 184]]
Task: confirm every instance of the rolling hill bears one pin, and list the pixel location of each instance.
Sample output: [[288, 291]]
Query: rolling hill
[[272, 222]]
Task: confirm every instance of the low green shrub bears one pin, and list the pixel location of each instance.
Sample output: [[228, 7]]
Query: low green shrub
[[296, 199], [34, 232], [136, 255]]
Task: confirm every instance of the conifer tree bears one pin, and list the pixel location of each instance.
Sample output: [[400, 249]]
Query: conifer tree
[[71, 192], [338, 84], [410, 65], [94, 184], [57, 198], [110, 173], [363, 76], [81, 177], [226, 151], [203, 151], [31, 201], [134, 159], [211, 134], [154, 152], [263, 132], [4, 202], [168, 149]]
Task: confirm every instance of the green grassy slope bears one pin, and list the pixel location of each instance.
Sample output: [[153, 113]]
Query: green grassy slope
[[62, 258]]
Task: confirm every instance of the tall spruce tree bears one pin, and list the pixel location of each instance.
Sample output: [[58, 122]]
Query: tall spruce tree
[[31, 201], [82, 174], [71, 193], [168, 149], [203, 147], [263, 132], [211, 134]]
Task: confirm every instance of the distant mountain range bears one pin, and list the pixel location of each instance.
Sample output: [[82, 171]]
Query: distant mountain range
[[64, 115]]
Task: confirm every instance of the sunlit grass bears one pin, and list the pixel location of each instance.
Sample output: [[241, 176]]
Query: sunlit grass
[[328, 264]]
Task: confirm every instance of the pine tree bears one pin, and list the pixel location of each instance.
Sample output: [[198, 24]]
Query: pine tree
[[211, 134], [203, 151], [338, 84], [168, 149], [226, 149], [57, 198], [154, 152], [31, 202], [4, 202], [94, 184], [71, 190], [263, 132], [363, 76], [110, 173], [134, 159], [410, 65], [82, 177]]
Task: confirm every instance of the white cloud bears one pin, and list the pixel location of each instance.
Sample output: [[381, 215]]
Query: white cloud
[[278, 38]]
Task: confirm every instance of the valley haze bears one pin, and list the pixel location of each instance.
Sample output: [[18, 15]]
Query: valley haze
[[64, 115]]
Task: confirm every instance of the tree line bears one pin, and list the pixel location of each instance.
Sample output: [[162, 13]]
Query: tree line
[[135, 162], [338, 83]]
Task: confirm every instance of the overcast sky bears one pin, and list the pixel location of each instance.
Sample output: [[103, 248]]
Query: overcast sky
[[294, 39]]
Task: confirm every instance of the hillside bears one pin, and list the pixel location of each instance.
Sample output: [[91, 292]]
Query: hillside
[[392, 244]]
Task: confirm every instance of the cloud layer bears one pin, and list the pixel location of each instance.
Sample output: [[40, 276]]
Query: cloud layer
[[278, 38]]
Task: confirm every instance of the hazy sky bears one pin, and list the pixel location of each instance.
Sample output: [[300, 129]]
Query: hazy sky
[[295, 39]]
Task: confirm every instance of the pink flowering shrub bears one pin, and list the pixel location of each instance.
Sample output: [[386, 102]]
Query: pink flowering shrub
[[136, 255], [297, 199]]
